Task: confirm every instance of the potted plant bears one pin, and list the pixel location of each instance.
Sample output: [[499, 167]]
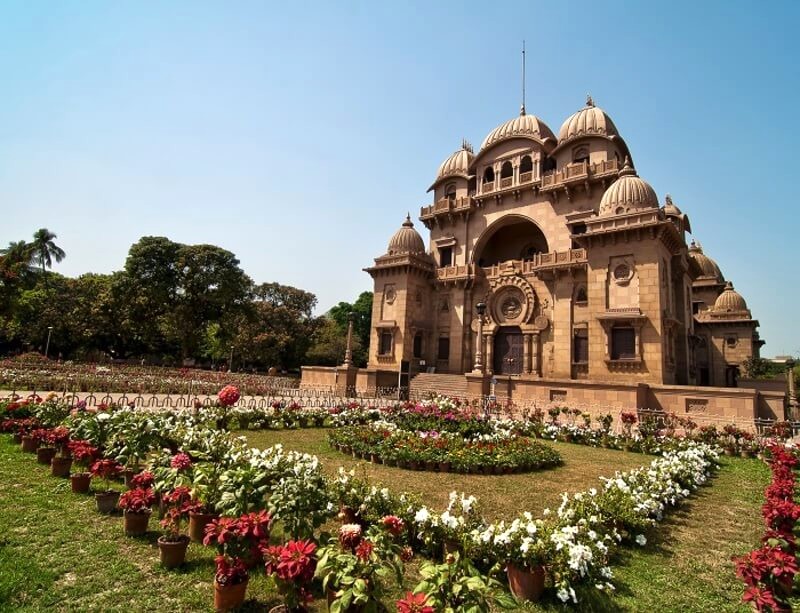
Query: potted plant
[[239, 542], [84, 455], [292, 567], [45, 445], [136, 510], [354, 566], [106, 470], [173, 543]]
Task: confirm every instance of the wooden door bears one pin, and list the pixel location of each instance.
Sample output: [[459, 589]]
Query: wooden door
[[508, 351]]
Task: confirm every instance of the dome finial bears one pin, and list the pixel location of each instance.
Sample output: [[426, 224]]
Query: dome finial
[[668, 200], [589, 101], [466, 145], [408, 223], [627, 168]]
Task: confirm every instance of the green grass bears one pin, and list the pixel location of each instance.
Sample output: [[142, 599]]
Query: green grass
[[57, 553]]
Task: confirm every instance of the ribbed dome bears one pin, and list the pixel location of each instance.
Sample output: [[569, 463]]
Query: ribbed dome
[[589, 121], [670, 208], [524, 125], [627, 194], [730, 301], [457, 164], [406, 240], [708, 266]]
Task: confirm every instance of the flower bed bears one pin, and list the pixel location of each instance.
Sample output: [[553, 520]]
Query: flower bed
[[769, 572], [444, 451]]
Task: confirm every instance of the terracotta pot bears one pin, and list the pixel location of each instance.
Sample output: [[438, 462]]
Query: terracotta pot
[[746, 454], [431, 466], [28, 444], [228, 597], [526, 584], [728, 451], [60, 466], [107, 501], [198, 523], [64, 450], [17, 438], [135, 524], [172, 553], [444, 467], [80, 483], [44, 455], [402, 464], [391, 463]]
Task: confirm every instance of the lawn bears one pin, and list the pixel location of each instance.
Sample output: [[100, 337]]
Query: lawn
[[57, 553]]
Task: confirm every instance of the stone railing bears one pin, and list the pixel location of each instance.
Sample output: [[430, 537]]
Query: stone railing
[[540, 261], [578, 172], [445, 206], [455, 273]]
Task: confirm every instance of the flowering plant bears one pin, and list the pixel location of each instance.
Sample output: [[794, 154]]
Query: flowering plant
[[137, 500], [414, 603], [229, 570], [178, 503], [228, 395], [292, 566], [355, 565], [83, 453], [240, 537], [106, 470], [143, 480]]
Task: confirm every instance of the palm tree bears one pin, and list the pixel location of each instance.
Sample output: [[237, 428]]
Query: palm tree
[[45, 250], [15, 260]]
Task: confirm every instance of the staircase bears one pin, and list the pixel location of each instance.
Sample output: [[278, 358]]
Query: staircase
[[424, 385]]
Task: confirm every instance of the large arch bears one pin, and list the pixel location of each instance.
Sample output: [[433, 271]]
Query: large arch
[[513, 237]]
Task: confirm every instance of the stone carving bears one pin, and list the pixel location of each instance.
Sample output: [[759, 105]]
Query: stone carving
[[696, 405], [511, 307], [541, 322], [390, 294]]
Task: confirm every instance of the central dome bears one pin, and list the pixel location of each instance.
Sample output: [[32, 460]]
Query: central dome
[[589, 121], [628, 194], [524, 125], [406, 240]]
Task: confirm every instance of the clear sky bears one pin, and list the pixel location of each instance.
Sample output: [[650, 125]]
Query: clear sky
[[298, 135]]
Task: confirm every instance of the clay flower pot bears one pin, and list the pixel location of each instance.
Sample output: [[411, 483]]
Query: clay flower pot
[[526, 584], [228, 597], [172, 553], [28, 444], [198, 523], [135, 524], [44, 455], [444, 467], [17, 438], [127, 475], [106, 501], [80, 483], [60, 466]]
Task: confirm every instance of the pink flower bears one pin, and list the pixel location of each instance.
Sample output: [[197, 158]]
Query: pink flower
[[229, 395], [181, 462]]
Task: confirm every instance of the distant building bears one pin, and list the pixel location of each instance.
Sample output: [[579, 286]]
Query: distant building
[[583, 273]]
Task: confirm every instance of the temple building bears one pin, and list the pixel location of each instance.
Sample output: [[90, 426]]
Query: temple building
[[548, 257]]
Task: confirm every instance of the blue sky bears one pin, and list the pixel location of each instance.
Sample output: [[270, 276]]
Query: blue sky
[[239, 123]]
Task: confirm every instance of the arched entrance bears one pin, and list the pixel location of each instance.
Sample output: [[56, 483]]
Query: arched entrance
[[508, 351], [513, 237]]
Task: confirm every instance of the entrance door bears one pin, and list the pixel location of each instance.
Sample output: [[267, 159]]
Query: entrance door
[[508, 352]]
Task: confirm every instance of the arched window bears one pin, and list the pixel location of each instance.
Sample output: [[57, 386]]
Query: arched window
[[488, 175], [450, 191], [581, 154], [506, 171], [548, 164], [471, 186], [580, 295], [418, 345], [526, 169]]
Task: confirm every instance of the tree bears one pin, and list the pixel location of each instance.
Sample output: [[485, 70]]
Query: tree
[[45, 250]]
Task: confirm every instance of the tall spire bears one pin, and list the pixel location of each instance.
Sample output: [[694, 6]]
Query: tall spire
[[522, 108]]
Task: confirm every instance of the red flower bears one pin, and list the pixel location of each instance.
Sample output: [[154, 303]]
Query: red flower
[[393, 524], [364, 550], [406, 554], [296, 561], [143, 480], [414, 603], [137, 500], [181, 462], [230, 570], [106, 469], [349, 536], [761, 598], [229, 395]]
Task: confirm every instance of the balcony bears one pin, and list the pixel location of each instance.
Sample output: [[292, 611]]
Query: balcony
[[446, 206], [579, 172], [538, 263], [455, 273]]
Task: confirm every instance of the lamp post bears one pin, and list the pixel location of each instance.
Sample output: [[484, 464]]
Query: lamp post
[[792, 392], [481, 309], [348, 352], [47, 345], [230, 361]]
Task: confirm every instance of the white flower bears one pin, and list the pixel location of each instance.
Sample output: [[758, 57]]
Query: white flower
[[563, 595], [641, 540], [422, 516]]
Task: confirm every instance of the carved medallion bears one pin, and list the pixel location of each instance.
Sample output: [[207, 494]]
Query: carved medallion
[[511, 307]]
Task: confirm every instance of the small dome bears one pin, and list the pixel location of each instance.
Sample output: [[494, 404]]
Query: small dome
[[589, 121], [458, 163], [406, 240], [524, 125], [708, 266], [670, 208], [628, 194], [730, 301]]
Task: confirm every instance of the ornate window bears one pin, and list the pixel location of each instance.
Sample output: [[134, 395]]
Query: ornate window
[[445, 256], [385, 343], [526, 165], [488, 175], [581, 154], [580, 295], [450, 192], [444, 348], [418, 345], [580, 346], [623, 343], [506, 170]]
